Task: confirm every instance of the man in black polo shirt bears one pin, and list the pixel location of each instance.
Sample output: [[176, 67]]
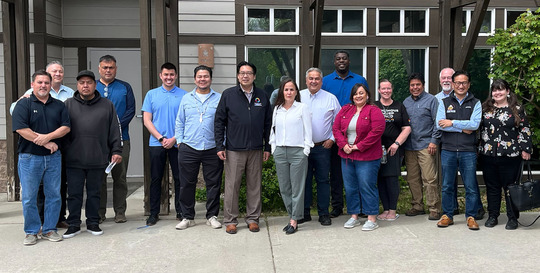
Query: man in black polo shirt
[[40, 120]]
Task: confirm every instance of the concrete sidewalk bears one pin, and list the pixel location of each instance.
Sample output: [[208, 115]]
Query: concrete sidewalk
[[410, 244]]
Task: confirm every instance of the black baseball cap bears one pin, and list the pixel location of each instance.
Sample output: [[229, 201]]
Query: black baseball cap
[[86, 73]]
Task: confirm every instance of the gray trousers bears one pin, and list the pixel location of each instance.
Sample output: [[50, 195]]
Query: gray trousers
[[236, 164], [291, 169]]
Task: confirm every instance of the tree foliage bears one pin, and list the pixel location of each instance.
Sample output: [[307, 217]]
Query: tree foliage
[[516, 59]]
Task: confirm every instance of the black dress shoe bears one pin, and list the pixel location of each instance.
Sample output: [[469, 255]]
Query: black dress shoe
[[325, 220], [152, 220], [511, 224], [335, 213], [480, 214], [306, 218], [491, 222], [291, 230], [287, 227]]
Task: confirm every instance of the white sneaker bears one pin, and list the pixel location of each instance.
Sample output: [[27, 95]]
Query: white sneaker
[[213, 222], [185, 223], [369, 226], [352, 223]]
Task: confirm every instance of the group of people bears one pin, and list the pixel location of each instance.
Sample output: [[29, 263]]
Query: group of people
[[332, 133]]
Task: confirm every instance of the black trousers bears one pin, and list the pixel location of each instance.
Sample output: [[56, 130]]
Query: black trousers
[[499, 172], [336, 180], [158, 157], [77, 178], [189, 161]]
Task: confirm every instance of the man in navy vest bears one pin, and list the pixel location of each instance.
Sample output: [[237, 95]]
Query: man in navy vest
[[458, 118]]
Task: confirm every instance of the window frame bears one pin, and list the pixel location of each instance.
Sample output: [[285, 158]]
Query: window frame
[[340, 22], [402, 22], [272, 20], [425, 72], [468, 16]]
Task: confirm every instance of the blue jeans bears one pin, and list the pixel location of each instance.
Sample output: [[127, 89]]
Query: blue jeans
[[466, 163], [32, 170], [318, 166], [360, 178]]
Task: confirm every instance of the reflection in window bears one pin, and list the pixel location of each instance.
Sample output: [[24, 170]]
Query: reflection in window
[[284, 20], [329, 22], [479, 67], [343, 21], [397, 64], [389, 21], [486, 27], [353, 21], [356, 57], [272, 63], [415, 21], [259, 20]]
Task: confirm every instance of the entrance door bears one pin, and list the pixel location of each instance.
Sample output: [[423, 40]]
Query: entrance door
[[129, 70]]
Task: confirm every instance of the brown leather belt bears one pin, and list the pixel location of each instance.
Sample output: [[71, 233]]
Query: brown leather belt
[[319, 143]]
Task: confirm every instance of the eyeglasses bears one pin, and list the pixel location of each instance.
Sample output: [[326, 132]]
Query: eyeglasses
[[245, 73], [461, 83]]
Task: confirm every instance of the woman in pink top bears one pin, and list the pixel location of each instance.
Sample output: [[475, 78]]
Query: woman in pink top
[[358, 129]]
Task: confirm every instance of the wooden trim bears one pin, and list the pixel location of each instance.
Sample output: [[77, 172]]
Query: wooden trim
[[472, 35], [319, 11], [146, 84]]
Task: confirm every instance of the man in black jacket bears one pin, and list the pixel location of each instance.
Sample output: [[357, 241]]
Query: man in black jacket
[[95, 139], [242, 129]]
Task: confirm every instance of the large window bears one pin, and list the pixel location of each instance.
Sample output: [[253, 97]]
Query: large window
[[343, 22], [272, 63], [261, 20], [488, 24], [397, 64], [356, 57], [403, 22]]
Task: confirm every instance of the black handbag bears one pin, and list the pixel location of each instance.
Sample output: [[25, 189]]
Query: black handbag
[[525, 195]]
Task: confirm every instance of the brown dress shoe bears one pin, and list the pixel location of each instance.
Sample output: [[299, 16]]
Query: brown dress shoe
[[445, 221], [471, 223], [231, 229], [253, 227]]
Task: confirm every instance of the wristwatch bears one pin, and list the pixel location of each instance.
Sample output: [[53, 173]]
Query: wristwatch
[[397, 143], [161, 139]]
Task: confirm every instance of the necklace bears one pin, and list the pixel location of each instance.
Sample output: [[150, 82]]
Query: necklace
[[201, 110]]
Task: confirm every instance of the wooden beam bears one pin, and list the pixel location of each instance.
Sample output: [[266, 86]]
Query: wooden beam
[[461, 3], [23, 48], [306, 42], [472, 35], [446, 34], [319, 11], [11, 86], [40, 31], [145, 9], [172, 35]]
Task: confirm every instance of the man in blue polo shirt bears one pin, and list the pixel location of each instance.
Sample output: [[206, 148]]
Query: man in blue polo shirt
[[40, 120], [339, 83], [159, 108], [121, 95], [196, 145]]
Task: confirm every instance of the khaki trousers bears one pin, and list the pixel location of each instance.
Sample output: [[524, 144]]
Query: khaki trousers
[[236, 164], [422, 169]]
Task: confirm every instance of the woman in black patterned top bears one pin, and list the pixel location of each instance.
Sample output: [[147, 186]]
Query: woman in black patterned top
[[505, 140]]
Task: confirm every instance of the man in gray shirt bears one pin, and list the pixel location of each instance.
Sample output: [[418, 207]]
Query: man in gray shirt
[[421, 149]]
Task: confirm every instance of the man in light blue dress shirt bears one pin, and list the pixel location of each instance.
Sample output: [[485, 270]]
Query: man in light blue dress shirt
[[194, 134], [159, 108]]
